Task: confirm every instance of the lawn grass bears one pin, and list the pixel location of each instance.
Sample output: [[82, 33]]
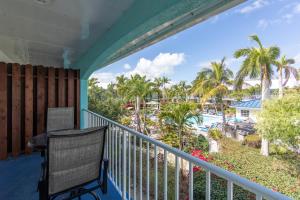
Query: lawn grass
[[278, 172]]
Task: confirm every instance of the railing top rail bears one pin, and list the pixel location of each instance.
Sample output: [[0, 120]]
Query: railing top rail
[[236, 179]]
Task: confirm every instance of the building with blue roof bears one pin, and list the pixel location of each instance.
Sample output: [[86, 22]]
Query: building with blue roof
[[247, 109]]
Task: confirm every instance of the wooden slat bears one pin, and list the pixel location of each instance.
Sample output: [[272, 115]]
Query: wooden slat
[[61, 88], [40, 99], [71, 83], [51, 87], [78, 99], [3, 111], [28, 105], [16, 109]]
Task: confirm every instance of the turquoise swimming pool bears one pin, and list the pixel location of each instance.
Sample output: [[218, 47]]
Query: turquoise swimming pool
[[209, 120]]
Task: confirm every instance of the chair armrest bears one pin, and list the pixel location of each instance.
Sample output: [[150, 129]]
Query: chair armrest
[[105, 173]]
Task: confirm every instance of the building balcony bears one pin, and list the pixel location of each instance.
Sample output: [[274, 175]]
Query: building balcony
[[139, 168]]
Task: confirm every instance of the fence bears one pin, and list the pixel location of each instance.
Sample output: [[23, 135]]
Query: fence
[[26, 92], [132, 178]]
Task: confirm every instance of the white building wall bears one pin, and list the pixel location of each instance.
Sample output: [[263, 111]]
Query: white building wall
[[252, 114]]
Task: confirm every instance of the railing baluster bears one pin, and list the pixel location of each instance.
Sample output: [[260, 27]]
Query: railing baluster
[[165, 174], [148, 170], [155, 173], [116, 157], [112, 151], [177, 178], [107, 146], [259, 197], [120, 161], [129, 167], [124, 165], [191, 181], [110, 148], [229, 190], [141, 168], [89, 120], [134, 168], [208, 185], [85, 119]]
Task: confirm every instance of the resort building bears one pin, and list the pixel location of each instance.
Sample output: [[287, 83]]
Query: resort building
[[248, 109]]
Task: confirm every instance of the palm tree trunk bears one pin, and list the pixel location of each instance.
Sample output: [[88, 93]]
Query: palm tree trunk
[[265, 89], [280, 84], [137, 113], [265, 94], [223, 117], [264, 147]]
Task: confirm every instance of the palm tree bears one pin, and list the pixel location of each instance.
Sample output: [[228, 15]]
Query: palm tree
[[284, 64], [213, 82], [183, 90], [180, 115], [121, 85], [138, 88], [164, 81], [157, 84], [258, 64]]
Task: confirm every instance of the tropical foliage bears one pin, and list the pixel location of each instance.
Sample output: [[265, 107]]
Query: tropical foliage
[[285, 127], [213, 82], [179, 116], [284, 65]]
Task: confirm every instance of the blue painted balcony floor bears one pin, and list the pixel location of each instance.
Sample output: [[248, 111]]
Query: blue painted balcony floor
[[19, 177]]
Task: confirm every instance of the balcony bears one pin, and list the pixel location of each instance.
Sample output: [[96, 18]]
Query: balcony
[[139, 168], [53, 33]]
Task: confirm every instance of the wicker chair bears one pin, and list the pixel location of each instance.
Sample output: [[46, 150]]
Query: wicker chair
[[74, 159], [60, 118]]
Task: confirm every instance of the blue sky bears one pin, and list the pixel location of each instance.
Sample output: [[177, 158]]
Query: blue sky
[[181, 56]]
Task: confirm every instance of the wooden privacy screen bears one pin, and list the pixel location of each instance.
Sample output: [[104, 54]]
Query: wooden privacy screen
[[25, 94]]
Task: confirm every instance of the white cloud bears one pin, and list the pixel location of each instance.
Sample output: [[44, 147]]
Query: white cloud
[[127, 66], [263, 23], [231, 63], [253, 6], [104, 78], [297, 8], [287, 14], [161, 65]]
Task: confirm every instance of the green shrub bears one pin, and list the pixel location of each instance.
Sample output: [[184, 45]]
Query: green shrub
[[171, 139], [277, 172], [218, 188], [196, 142], [278, 149], [126, 121], [252, 141], [215, 134]]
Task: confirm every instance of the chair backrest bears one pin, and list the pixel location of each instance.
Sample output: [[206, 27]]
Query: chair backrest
[[60, 118], [74, 157]]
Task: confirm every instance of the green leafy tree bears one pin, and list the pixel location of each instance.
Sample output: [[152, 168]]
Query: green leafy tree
[[138, 87], [104, 101], [213, 82], [179, 115], [284, 65], [280, 120], [258, 64], [164, 81]]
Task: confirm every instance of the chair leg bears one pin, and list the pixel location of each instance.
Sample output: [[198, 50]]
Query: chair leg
[[94, 194]]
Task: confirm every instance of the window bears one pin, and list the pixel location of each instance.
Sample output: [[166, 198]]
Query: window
[[245, 113]]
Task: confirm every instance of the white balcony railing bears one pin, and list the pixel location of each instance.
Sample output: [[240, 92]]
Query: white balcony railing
[[122, 146]]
